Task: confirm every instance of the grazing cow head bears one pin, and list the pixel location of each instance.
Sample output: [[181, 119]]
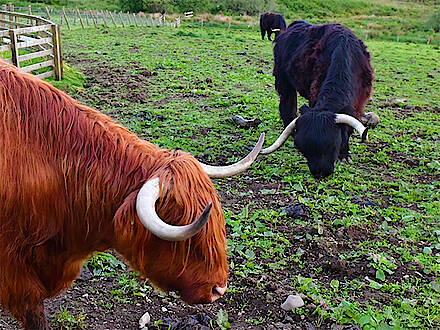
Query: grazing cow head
[[318, 138], [177, 252]]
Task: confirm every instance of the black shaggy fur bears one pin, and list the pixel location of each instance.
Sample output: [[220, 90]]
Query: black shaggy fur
[[269, 21], [330, 67]]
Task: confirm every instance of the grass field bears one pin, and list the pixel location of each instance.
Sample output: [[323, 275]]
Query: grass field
[[365, 249]]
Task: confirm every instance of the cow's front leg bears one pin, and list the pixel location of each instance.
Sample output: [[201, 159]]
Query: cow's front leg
[[35, 319], [344, 151], [269, 33], [287, 108], [370, 119]]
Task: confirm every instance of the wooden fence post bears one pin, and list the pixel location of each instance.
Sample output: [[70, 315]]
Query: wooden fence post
[[65, 18], [120, 17], [30, 13], [14, 49], [103, 17], [128, 18], [80, 18], [93, 19], [134, 19], [56, 42], [48, 13], [2, 16], [113, 19], [86, 15], [11, 9]]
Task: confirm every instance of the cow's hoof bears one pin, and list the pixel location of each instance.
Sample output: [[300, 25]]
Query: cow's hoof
[[370, 119], [346, 160]]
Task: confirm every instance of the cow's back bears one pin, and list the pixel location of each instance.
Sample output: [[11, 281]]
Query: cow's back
[[305, 53]]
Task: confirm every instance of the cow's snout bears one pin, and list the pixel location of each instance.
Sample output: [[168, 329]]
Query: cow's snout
[[322, 173], [218, 292]]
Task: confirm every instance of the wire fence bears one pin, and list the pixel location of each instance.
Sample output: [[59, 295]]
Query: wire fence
[[73, 18]]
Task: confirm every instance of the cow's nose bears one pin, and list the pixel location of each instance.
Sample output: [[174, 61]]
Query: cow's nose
[[218, 292], [317, 175]]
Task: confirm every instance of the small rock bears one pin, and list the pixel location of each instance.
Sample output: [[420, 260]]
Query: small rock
[[245, 123], [362, 202], [296, 210], [146, 73], [309, 326], [292, 302], [200, 321], [164, 309], [144, 320], [399, 100], [289, 319], [85, 275], [174, 295]]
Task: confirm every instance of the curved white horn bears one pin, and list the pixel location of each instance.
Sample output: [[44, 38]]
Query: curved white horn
[[353, 122], [233, 169], [146, 211], [283, 137]]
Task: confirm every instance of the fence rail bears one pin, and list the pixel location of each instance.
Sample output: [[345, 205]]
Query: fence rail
[[31, 43], [73, 18]]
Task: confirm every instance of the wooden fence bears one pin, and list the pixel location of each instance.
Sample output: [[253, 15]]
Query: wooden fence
[[31, 43], [73, 18]]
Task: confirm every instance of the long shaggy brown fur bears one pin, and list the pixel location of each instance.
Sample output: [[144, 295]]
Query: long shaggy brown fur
[[69, 181]]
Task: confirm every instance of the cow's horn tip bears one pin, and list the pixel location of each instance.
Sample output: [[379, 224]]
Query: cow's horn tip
[[365, 135]]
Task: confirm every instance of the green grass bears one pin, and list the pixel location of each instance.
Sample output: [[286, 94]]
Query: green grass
[[398, 170]]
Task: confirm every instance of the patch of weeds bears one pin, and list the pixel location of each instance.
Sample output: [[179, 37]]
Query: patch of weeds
[[383, 264], [64, 320], [72, 82], [128, 284], [222, 320], [104, 264]]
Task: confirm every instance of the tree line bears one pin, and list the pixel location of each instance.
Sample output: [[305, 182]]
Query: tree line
[[170, 6]]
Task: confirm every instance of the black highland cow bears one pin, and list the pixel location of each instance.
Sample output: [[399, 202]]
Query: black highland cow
[[330, 67], [271, 22]]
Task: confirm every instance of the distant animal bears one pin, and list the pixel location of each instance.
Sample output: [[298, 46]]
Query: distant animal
[[271, 23], [74, 182], [330, 67]]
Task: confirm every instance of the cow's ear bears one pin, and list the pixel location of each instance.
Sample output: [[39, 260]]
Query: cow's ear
[[304, 108]]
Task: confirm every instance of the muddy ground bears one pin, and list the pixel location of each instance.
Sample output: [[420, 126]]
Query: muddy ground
[[91, 295]]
